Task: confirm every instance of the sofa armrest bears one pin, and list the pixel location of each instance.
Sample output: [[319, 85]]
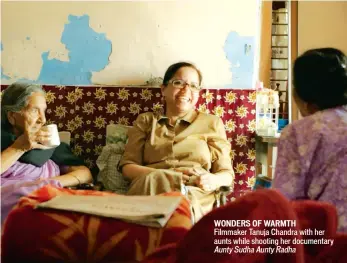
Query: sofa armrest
[[224, 192], [221, 195]]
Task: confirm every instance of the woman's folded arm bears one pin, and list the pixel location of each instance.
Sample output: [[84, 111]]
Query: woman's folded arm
[[75, 175]]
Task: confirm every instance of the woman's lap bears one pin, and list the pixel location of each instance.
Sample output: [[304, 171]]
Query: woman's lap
[[165, 181]]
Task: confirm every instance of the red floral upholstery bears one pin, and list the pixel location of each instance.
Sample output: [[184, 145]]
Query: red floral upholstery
[[36, 236], [86, 111]]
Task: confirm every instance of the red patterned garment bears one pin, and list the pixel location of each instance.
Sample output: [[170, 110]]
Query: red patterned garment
[[86, 111], [31, 235]]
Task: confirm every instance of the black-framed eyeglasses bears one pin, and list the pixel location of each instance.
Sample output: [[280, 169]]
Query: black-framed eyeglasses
[[180, 84]]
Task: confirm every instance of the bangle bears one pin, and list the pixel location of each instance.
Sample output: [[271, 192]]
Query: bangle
[[20, 150], [79, 182]]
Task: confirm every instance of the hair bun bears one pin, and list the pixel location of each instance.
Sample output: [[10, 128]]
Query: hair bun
[[320, 77]]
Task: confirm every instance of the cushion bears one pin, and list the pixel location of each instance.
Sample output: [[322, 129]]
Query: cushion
[[117, 134], [64, 236], [65, 136], [109, 175]]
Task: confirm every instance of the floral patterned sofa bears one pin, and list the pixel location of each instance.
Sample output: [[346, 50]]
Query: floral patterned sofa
[[85, 111]]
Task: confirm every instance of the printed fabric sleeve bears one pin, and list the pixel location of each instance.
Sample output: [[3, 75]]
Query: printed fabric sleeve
[[220, 150], [289, 179]]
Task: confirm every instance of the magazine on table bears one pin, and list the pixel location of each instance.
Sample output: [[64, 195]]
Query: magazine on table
[[153, 211]]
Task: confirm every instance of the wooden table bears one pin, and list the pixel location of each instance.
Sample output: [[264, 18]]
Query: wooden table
[[266, 152]]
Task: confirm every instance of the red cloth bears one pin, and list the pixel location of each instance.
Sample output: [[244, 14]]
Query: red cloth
[[198, 245], [337, 253], [321, 216], [53, 236], [31, 235]]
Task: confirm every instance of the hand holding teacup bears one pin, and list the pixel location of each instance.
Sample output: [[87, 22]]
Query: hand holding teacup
[[45, 138], [49, 135]]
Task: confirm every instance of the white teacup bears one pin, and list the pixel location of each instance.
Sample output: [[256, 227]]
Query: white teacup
[[55, 140]]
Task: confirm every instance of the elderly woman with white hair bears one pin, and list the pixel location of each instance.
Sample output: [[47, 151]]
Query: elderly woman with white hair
[[26, 164]]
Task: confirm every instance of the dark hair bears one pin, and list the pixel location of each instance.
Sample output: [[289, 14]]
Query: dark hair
[[171, 71], [320, 77]]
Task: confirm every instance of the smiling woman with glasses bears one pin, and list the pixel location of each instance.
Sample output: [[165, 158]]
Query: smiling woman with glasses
[[179, 149], [180, 84]]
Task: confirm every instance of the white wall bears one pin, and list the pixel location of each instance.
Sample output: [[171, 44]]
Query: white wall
[[146, 37]]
